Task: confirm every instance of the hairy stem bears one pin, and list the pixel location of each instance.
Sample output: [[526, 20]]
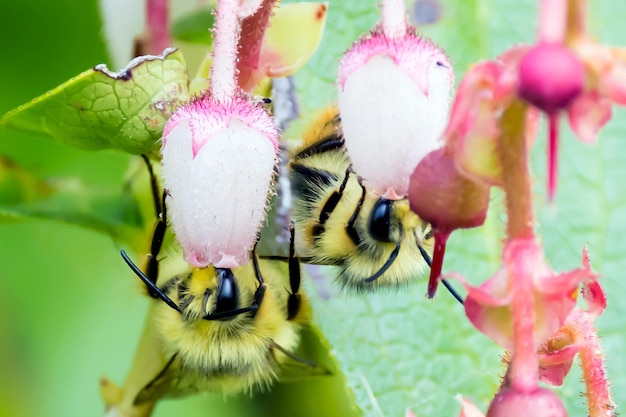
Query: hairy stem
[[599, 401], [393, 18], [223, 80], [517, 185]]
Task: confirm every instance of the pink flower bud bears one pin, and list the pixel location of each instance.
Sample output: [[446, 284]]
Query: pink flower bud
[[218, 164], [550, 77], [540, 402], [440, 195], [394, 97]]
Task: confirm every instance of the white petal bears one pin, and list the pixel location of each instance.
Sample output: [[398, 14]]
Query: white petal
[[389, 123], [218, 200]]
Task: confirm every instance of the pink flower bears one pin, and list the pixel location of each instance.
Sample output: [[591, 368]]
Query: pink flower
[[489, 306], [473, 133], [578, 336], [218, 165]]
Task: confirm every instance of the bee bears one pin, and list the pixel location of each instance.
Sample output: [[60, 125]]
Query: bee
[[375, 242], [222, 330]]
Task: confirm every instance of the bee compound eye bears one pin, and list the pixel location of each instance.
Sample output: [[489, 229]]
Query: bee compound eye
[[227, 291], [380, 220]]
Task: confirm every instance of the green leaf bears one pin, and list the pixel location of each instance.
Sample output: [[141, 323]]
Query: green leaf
[[101, 109], [398, 351], [114, 212], [195, 26]]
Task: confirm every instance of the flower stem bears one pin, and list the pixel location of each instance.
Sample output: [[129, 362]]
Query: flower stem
[[223, 77], [520, 229], [516, 175], [599, 401], [157, 21], [576, 26], [552, 17], [393, 18]]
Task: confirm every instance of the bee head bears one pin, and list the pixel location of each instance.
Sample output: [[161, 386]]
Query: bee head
[[209, 293], [227, 297], [383, 225]]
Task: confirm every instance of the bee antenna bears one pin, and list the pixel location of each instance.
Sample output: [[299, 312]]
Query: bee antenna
[[390, 260], [445, 283], [151, 285]]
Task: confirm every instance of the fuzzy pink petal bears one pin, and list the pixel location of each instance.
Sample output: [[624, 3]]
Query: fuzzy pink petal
[[595, 297], [506, 86], [588, 113], [613, 82], [476, 153], [554, 366], [477, 84]]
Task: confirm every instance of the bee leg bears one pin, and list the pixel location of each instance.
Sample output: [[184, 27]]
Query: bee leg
[[159, 385], [294, 301], [290, 355], [260, 291], [152, 263]]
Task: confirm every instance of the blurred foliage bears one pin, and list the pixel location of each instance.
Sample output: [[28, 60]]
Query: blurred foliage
[[70, 310]]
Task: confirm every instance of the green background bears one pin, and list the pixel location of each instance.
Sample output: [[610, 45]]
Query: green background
[[70, 310]]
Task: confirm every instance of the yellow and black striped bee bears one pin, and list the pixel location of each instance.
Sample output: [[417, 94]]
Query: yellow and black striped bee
[[375, 242], [222, 330]]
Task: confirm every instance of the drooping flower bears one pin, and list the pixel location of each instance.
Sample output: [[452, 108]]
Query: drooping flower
[[218, 159], [394, 92], [579, 336], [446, 199], [488, 306]]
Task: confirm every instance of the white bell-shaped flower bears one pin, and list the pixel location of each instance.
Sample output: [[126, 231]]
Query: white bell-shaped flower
[[218, 167], [394, 98]]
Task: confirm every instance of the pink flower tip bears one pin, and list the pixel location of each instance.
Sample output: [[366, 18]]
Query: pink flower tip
[[218, 167]]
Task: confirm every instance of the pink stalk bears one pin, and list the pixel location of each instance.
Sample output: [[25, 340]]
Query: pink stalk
[[524, 371], [552, 18], [599, 401], [517, 185], [393, 18], [223, 81], [441, 238], [157, 20], [553, 154]]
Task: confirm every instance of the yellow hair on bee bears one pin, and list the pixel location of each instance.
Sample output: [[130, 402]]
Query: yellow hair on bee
[[375, 242], [231, 355]]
